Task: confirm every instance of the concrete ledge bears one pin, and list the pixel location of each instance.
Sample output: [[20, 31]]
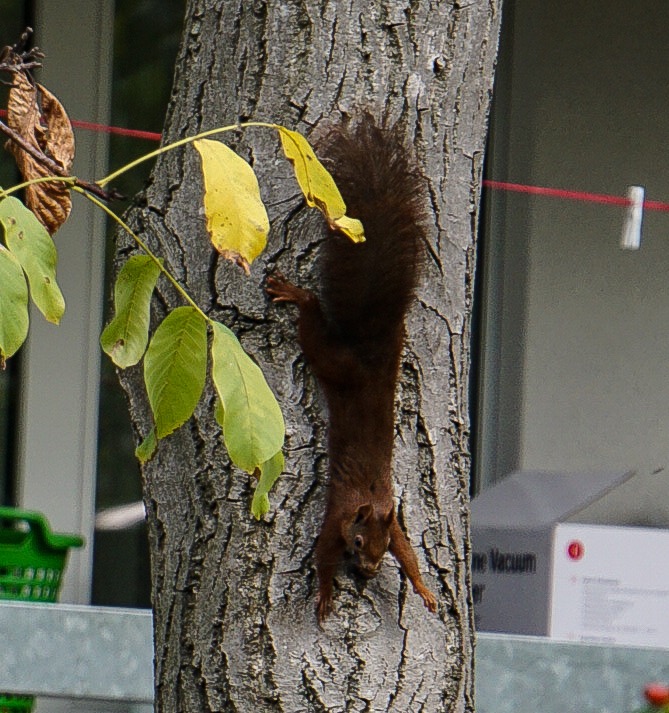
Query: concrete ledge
[[66, 651], [104, 654], [517, 674]]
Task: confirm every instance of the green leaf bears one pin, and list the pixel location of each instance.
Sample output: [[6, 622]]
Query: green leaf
[[270, 470], [252, 423], [33, 247], [236, 217], [125, 338], [13, 305], [175, 367], [145, 450]]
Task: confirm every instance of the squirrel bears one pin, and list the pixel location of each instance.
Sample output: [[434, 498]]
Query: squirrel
[[351, 337]]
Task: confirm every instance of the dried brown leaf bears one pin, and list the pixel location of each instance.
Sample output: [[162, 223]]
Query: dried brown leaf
[[59, 137], [22, 109], [41, 121]]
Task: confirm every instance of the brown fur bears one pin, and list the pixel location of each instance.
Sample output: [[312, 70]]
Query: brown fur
[[352, 338]]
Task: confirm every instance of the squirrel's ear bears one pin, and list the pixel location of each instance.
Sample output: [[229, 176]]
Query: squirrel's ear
[[364, 513], [388, 517]]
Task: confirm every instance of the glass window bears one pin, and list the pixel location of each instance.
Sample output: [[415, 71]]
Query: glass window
[[146, 37]]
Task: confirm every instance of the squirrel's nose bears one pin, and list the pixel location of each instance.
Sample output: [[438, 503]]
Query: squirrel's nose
[[369, 569]]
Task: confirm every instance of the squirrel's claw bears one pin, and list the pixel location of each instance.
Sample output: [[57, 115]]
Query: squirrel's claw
[[276, 286], [281, 290], [323, 607]]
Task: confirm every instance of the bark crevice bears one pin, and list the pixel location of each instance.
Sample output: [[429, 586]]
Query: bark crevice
[[234, 599]]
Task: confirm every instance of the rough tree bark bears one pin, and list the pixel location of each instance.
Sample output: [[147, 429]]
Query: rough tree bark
[[235, 628]]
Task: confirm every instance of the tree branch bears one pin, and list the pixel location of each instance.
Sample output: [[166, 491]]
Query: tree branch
[[55, 168]]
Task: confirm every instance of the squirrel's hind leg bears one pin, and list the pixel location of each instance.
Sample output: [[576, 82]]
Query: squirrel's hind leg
[[282, 290], [331, 362]]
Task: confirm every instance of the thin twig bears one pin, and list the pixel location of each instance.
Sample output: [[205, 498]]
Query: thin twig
[[17, 58], [55, 168], [20, 67]]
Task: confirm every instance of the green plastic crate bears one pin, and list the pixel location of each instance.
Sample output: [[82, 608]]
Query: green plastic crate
[[32, 560]]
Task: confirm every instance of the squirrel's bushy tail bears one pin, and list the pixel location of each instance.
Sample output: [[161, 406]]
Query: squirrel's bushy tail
[[366, 288]]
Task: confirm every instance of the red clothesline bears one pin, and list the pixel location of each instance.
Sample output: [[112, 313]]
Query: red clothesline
[[572, 195], [564, 194], [104, 129]]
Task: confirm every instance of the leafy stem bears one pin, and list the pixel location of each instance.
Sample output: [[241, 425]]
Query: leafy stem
[[68, 180], [144, 247], [182, 142]]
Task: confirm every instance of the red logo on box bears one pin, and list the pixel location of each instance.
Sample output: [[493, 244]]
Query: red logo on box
[[575, 550]]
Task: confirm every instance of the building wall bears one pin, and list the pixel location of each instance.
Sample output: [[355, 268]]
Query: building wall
[[57, 434], [576, 345]]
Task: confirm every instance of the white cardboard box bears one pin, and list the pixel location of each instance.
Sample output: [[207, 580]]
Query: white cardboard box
[[610, 585], [572, 556]]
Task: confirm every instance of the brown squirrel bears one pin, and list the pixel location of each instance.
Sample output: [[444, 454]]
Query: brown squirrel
[[352, 338]]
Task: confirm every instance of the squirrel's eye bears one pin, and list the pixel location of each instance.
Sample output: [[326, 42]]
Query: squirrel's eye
[[358, 541]]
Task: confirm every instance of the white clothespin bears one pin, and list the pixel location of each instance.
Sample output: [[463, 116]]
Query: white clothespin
[[631, 237]]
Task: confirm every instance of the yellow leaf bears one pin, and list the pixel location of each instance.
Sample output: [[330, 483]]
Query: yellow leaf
[[319, 189], [236, 217], [318, 186], [351, 227]]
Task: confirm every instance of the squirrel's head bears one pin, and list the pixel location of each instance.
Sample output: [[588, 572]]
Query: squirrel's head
[[367, 537]]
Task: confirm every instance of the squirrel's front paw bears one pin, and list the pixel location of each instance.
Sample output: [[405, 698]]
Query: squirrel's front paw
[[428, 598]]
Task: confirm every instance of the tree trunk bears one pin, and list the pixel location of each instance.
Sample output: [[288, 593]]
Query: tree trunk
[[235, 627]]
